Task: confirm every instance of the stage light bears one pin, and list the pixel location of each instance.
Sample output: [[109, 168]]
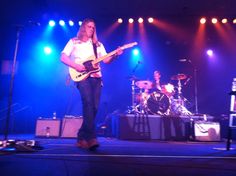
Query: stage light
[[71, 23], [224, 20], [150, 20], [120, 20], [62, 22], [203, 20], [209, 52], [80, 23], [51, 23], [135, 52], [47, 50], [234, 21], [131, 20], [140, 20], [214, 20]]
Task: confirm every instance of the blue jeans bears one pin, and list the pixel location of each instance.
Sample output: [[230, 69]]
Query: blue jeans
[[90, 92]]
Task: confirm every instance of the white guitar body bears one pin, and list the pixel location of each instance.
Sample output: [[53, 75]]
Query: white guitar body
[[90, 65], [79, 76]]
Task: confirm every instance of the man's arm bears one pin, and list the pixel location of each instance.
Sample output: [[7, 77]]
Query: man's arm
[[67, 61]]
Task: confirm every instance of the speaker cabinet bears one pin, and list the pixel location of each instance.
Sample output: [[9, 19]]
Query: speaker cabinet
[[48, 128], [70, 126], [207, 131]]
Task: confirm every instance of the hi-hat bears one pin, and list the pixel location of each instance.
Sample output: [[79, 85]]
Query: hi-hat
[[180, 76], [144, 84]]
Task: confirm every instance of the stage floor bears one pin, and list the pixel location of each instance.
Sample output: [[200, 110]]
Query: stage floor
[[61, 157]]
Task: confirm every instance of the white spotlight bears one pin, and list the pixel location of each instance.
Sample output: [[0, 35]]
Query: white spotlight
[[120, 20], [71, 23], [150, 20], [140, 20], [224, 20], [62, 22], [80, 23], [131, 20], [214, 20], [51, 23], [203, 20]]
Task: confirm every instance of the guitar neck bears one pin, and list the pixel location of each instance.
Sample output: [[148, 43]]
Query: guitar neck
[[113, 52], [104, 57]]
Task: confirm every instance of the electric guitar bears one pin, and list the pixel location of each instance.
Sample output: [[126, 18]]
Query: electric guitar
[[91, 64]]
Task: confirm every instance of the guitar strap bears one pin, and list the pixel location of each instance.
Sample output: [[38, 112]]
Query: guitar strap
[[95, 50]]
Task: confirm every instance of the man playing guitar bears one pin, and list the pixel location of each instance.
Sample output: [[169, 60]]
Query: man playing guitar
[[80, 54]]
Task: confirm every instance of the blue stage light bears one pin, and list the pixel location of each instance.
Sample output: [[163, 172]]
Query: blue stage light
[[52, 23]]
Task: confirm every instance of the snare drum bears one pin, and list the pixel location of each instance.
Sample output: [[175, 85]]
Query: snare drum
[[158, 103], [141, 98]]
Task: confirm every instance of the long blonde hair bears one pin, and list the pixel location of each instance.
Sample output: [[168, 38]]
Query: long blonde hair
[[81, 33]]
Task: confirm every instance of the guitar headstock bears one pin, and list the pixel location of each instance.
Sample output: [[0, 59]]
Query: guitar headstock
[[129, 45]]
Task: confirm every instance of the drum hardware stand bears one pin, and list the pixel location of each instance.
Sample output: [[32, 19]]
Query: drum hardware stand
[[133, 95], [180, 98], [178, 105], [179, 88]]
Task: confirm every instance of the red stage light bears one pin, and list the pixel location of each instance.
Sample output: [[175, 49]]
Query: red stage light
[[224, 20], [140, 20], [131, 20], [203, 20], [150, 20], [214, 20], [120, 20]]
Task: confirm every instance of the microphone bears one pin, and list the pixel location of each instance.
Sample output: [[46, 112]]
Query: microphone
[[184, 60], [187, 80], [34, 23]]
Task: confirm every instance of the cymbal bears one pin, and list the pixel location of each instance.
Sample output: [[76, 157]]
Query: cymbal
[[180, 76], [144, 84]]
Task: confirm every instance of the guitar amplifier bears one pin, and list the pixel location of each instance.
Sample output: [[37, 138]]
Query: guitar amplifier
[[207, 131], [48, 127], [70, 126]]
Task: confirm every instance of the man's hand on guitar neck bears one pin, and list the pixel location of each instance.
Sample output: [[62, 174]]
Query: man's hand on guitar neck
[[118, 52]]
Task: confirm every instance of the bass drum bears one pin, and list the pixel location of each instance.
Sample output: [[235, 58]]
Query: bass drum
[[158, 103]]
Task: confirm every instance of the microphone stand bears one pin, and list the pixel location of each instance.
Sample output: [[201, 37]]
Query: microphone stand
[[16, 145], [133, 87], [195, 90], [195, 83], [18, 28], [195, 86]]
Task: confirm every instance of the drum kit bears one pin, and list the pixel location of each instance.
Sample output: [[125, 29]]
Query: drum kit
[[166, 101]]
